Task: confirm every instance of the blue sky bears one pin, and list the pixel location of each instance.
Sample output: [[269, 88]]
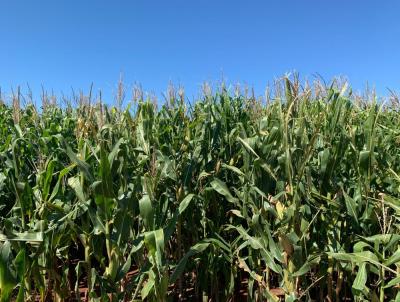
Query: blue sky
[[64, 44]]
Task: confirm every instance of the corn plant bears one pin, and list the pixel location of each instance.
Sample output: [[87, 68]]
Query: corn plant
[[228, 198]]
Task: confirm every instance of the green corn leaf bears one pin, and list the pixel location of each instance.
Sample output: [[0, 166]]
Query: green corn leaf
[[179, 269], [83, 166], [395, 258], [147, 288], [255, 243], [20, 265], [105, 174], [75, 184], [351, 206], [48, 179], [359, 258], [124, 269], [154, 241], [146, 211], [361, 278], [222, 189], [233, 169], [247, 147], [31, 237], [364, 161], [115, 150], [185, 203], [395, 281], [307, 266], [7, 280], [55, 191]]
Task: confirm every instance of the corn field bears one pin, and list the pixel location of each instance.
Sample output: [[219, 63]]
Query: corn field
[[294, 198]]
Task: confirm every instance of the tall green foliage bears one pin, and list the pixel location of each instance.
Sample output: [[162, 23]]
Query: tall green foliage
[[225, 199]]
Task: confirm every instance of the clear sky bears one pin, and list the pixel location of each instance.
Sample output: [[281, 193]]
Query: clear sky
[[64, 44]]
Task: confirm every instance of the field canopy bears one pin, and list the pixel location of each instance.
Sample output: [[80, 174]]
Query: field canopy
[[292, 198]]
